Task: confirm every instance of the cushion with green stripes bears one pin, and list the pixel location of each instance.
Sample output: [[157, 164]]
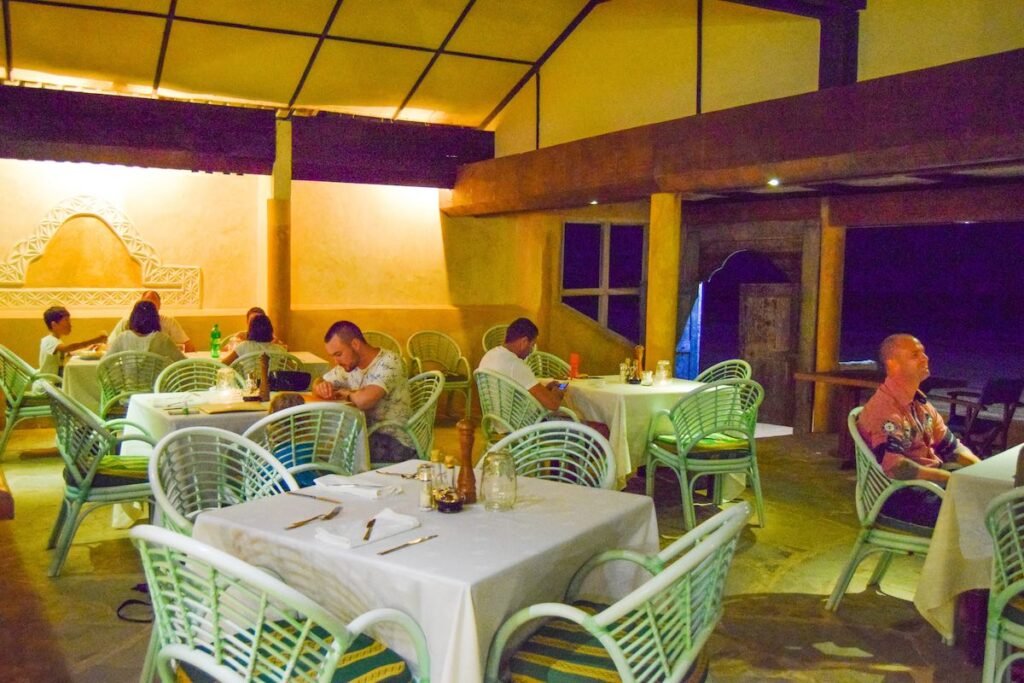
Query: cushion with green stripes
[[365, 661], [118, 470], [564, 652]]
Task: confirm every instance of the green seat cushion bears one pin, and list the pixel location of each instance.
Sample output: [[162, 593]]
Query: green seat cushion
[[452, 377], [366, 661], [895, 524], [564, 652], [118, 470], [712, 447]]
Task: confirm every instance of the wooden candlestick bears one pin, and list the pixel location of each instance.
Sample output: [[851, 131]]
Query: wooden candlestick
[[467, 478]]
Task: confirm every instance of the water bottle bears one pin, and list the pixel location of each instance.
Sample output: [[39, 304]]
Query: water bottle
[[215, 341]]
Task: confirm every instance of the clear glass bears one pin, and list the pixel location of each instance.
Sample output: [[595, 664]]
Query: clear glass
[[498, 481]]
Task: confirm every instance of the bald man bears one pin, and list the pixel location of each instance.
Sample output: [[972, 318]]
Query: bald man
[[907, 434], [168, 325]]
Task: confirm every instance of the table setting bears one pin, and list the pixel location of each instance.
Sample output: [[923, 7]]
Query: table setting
[[458, 574]]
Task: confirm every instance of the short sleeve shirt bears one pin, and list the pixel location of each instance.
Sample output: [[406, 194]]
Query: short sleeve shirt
[[154, 342], [168, 326], [50, 360], [500, 359], [246, 347], [384, 371], [896, 426]]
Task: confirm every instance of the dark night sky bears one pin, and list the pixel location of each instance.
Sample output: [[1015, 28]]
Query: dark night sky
[[959, 288]]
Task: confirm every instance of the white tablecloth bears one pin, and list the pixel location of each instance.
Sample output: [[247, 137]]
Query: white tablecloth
[[159, 415], [627, 410], [459, 586], [81, 384], [960, 556]]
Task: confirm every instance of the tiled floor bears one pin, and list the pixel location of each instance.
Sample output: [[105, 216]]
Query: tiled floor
[[774, 627]]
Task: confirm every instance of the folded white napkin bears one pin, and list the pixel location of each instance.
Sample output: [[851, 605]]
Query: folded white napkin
[[349, 533], [356, 487]]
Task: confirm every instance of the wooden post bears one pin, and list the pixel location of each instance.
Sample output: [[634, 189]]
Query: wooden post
[[830, 307], [662, 306], [279, 224]]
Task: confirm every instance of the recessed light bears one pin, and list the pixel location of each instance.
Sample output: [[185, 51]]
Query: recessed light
[[774, 182], [593, 202]]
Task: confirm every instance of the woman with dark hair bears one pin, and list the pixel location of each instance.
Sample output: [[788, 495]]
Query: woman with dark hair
[[143, 334], [259, 338], [229, 344]]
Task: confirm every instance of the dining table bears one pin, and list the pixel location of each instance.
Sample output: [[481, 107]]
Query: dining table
[[467, 572], [959, 558], [627, 410], [80, 380]]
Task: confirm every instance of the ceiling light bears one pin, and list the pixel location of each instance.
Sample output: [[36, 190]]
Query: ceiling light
[[774, 182], [593, 202]]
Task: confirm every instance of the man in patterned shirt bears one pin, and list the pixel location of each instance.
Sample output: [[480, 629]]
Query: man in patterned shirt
[[907, 434], [371, 379]]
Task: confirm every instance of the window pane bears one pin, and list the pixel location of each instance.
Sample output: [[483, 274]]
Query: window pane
[[626, 261], [581, 256], [587, 305], [624, 316]]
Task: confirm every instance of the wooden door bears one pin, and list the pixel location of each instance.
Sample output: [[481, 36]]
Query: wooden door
[[769, 340]]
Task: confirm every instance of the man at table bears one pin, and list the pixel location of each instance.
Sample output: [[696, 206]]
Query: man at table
[[907, 434], [373, 380], [168, 325], [509, 359]]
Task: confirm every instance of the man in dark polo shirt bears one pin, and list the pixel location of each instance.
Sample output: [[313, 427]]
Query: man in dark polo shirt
[[907, 434]]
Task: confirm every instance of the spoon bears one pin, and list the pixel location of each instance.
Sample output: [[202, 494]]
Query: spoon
[[334, 512]]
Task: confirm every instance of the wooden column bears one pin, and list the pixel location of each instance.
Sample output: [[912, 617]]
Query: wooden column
[[279, 225], [830, 307], [663, 238]]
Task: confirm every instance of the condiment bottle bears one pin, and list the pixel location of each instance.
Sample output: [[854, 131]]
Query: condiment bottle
[[264, 377], [426, 479], [467, 478]]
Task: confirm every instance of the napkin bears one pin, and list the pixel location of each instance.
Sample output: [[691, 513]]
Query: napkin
[[356, 487], [349, 533]]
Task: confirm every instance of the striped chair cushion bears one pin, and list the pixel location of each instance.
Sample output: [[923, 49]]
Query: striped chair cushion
[[712, 447], [118, 470], [365, 661], [563, 652]]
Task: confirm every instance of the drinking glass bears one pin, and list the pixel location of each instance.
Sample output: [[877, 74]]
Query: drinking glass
[[498, 481], [664, 372]]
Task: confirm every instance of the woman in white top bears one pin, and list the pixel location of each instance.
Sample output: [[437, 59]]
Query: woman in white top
[[258, 338], [143, 334]]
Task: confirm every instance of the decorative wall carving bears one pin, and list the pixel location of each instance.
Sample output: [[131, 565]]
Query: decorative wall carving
[[178, 285]]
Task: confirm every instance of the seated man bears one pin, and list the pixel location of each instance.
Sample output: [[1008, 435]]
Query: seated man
[[168, 325], [508, 359], [373, 380], [907, 434]]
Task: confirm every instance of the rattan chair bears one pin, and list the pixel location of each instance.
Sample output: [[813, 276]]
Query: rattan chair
[[278, 360], [23, 398], [125, 373], [507, 405], [203, 468], [878, 533], [234, 622], [985, 435], [432, 350], [569, 452], [191, 374], [384, 340], [494, 336], [315, 438], [424, 391], [546, 364], [94, 475], [727, 369], [1004, 633], [655, 633], [712, 434]]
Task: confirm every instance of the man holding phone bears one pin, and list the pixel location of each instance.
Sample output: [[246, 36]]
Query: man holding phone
[[508, 359]]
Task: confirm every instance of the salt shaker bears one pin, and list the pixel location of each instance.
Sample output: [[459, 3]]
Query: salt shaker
[[425, 476]]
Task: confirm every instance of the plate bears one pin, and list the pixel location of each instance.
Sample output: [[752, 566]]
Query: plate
[[88, 355]]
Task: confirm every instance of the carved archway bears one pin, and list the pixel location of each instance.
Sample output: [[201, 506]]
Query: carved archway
[[178, 285]]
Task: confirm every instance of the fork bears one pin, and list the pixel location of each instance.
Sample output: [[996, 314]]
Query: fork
[[403, 475], [334, 512]]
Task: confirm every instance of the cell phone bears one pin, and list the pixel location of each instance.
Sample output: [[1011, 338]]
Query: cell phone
[[562, 386]]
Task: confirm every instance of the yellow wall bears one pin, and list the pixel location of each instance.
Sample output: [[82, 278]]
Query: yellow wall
[[517, 122], [752, 55], [904, 35]]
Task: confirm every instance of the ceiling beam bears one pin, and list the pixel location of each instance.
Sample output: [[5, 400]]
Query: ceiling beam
[[816, 9], [959, 114], [577, 20], [313, 55], [163, 45]]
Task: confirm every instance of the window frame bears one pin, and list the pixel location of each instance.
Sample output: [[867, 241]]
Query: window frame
[[603, 291]]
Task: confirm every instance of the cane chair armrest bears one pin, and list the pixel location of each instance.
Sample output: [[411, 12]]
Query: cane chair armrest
[[417, 365], [463, 363], [35, 377], [490, 420], [125, 438], [895, 486], [1007, 594], [659, 418], [954, 394], [367, 620], [563, 412], [118, 425], [652, 563]]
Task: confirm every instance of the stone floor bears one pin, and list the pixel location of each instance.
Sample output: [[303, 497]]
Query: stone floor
[[774, 628]]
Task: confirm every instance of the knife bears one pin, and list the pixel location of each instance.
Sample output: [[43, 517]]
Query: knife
[[369, 528], [407, 544]]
